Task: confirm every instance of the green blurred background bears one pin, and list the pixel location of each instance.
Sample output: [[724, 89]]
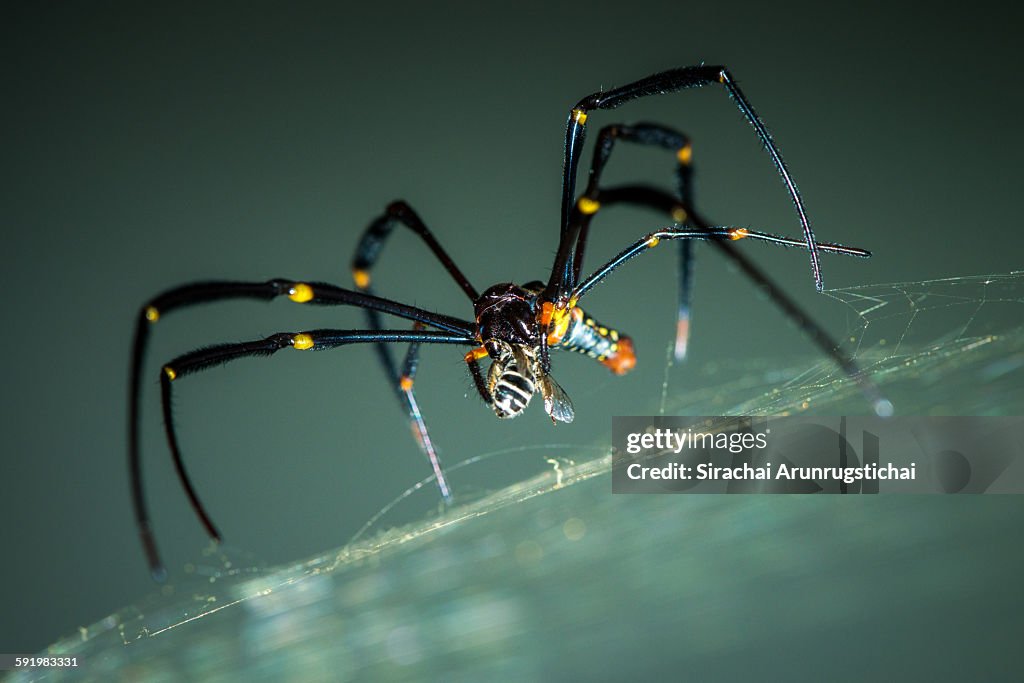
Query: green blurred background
[[146, 147]]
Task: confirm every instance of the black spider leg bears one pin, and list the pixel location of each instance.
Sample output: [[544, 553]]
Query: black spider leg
[[400, 213], [206, 292], [367, 252], [419, 427], [206, 358], [473, 362], [667, 81], [674, 141], [720, 237]]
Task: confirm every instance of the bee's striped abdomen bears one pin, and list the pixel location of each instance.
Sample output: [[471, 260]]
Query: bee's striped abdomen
[[511, 389]]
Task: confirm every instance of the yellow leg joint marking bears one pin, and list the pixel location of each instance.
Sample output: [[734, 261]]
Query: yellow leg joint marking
[[169, 371], [679, 214], [300, 293], [152, 315], [653, 242], [579, 116], [738, 234], [561, 324], [588, 206], [685, 154], [405, 383], [302, 342], [476, 354], [721, 77], [361, 278]]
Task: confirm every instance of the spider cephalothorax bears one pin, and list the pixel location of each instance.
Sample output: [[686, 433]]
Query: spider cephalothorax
[[506, 313]]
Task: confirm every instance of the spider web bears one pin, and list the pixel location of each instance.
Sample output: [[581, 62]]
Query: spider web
[[957, 339], [951, 346]]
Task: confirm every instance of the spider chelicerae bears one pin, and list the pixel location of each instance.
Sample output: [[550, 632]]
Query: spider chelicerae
[[515, 327]]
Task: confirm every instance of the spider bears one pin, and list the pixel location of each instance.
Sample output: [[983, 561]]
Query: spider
[[515, 327]]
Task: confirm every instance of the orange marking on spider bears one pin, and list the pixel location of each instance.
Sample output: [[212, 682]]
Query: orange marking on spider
[[361, 278], [685, 154], [623, 359]]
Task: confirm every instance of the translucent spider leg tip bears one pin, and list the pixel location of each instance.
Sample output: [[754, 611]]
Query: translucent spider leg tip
[[884, 408], [682, 336], [442, 486], [156, 566], [447, 500]]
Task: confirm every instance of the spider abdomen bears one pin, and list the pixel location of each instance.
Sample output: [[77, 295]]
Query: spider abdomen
[[608, 346]]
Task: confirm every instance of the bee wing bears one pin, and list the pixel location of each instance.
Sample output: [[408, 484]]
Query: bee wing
[[493, 373], [523, 363], [557, 403]]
